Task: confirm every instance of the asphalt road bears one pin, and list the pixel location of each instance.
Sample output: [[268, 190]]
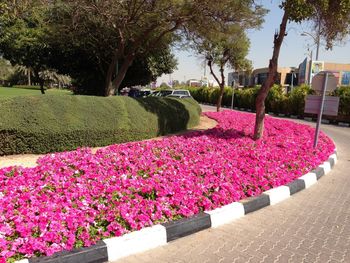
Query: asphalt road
[[311, 226]]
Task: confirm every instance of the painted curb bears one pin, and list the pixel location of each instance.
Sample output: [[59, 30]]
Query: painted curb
[[93, 254], [135, 242], [226, 214], [252, 204], [151, 237], [186, 226]]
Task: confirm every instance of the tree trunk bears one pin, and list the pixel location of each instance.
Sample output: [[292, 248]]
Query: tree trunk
[[121, 74], [42, 89], [272, 75], [41, 81], [219, 102], [29, 77], [108, 80], [222, 89], [220, 83]]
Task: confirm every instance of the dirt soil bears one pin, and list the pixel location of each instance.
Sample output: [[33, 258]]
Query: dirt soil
[[29, 160]]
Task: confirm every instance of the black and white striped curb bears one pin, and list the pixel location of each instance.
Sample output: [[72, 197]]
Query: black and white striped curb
[[112, 249]]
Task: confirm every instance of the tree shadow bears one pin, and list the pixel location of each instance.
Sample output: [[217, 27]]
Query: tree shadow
[[218, 133], [174, 120], [27, 88], [172, 114]]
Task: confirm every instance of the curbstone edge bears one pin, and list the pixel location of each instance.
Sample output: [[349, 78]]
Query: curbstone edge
[[252, 204], [186, 226]]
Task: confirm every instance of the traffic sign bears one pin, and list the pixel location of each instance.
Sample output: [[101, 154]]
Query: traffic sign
[[319, 80], [330, 107], [323, 81]]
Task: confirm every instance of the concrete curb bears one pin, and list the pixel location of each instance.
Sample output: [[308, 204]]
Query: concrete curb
[[112, 249]]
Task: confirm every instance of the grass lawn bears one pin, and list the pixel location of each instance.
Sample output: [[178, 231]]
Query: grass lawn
[[11, 91]]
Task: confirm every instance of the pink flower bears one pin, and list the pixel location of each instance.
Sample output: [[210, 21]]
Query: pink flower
[[76, 198]]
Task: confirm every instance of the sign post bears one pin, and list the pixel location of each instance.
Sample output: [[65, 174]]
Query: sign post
[[233, 93], [319, 118], [323, 104]]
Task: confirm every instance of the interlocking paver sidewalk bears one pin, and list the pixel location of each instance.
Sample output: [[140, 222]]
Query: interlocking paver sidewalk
[[311, 226]]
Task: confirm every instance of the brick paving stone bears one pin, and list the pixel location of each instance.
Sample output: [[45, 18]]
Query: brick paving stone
[[311, 226]]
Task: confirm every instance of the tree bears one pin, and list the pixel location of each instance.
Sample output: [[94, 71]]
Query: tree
[[225, 48], [135, 28], [22, 36], [145, 70], [333, 20], [88, 70], [227, 44], [5, 71]]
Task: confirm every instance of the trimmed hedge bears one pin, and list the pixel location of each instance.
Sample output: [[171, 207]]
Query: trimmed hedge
[[41, 124], [277, 101], [344, 94]]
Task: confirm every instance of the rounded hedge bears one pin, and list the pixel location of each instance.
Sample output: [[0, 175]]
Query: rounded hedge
[[49, 123]]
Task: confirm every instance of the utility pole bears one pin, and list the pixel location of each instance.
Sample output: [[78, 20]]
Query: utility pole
[[316, 38]]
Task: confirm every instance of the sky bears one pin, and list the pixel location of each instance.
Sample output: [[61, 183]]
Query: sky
[[293, 52]]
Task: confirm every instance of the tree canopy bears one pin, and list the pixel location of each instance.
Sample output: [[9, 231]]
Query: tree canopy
[[5, 70], [226, 48], [228, 44], [42, 35], [118, 32], [106, 38], [22, 35]]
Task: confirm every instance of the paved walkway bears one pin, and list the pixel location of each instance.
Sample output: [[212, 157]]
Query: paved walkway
[[311, 226]]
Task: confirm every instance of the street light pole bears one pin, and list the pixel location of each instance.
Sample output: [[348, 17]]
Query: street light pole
[[318, 40], [315, 38]]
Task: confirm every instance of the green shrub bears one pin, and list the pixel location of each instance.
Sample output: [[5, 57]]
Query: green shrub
[[227, 98], [41, 124], [245, 98], [344, 105], [296, 100], [275, 99]]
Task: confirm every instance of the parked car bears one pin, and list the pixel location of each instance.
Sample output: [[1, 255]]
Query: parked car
[[154, 94], [179, 96], [136, 93], [174, 93]]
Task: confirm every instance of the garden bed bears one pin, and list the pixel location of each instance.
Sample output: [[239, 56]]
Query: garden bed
[[73, 199]]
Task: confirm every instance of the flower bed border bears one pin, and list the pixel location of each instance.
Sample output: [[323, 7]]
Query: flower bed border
[[115, 248]]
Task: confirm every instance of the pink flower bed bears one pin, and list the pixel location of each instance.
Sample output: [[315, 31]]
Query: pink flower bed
[[73, 199]]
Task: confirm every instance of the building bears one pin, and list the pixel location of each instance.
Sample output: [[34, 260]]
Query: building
[[308, 69], [194, 83], [291, 76], [242, 79], [204, 82], [258, 77]]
